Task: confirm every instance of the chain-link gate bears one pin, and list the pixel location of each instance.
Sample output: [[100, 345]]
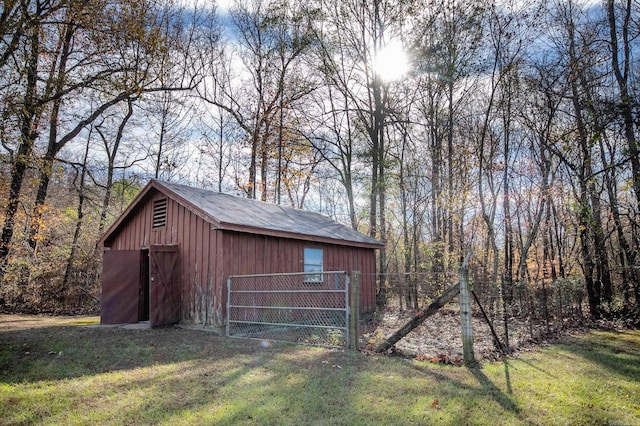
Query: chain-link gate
[[309, 308]]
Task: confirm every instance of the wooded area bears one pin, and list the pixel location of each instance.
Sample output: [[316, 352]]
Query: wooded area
[[513, 133]]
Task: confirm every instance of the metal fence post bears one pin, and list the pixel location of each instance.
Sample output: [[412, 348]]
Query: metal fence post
[[354, 310], [228, 306], [465, 316]]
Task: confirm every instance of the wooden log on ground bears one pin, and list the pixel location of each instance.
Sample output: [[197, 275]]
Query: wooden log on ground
[[420, 317]]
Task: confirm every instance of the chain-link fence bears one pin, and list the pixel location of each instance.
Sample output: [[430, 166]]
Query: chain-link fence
[[518, 312], [310, 308], [530, 309], [313, 308]]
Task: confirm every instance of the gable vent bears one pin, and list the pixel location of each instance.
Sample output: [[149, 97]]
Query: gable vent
[[160, 213]]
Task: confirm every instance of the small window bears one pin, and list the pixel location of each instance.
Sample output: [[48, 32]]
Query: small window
[[160, 213], [313, 263]]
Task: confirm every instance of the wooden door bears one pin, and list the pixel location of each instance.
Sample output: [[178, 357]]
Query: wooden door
[[120, 286], [164, 285]]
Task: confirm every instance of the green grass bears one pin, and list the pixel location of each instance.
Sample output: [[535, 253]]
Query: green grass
[[68, 374]]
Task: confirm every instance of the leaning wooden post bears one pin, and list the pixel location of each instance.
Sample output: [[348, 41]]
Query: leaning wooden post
[[465, 315], [447, 296], [354, 311]]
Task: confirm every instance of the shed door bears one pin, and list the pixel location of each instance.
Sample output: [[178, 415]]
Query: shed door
[[164, 285], [120, 286]]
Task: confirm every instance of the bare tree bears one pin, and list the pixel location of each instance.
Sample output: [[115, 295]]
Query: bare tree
[[78, 62], [271, 38], [619, 20]]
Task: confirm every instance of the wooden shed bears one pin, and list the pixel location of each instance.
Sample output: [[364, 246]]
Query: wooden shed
[[168, 256]]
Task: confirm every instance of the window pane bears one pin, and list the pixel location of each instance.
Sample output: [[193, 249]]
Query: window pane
[[313, 257], [313, 263]]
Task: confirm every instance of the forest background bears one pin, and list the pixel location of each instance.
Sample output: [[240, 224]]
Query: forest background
[[511, 132]]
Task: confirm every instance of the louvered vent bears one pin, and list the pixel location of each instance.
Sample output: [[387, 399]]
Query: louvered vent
[[160, 213]]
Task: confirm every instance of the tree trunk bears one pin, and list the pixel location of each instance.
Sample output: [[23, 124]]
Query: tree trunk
[[251, 186], [585, 216], [163, 129], [80, 219], [558, 240], [264, 162], [621, 73], [450, 198], [59, 78], [112, 154], [622, 77], [28, 134]]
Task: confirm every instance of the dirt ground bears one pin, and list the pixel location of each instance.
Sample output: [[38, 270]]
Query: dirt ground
[[10, 322], [440, 335]]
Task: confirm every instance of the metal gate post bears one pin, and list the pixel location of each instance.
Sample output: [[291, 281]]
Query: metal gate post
[[228, 306], [347, 312], [353, 293]]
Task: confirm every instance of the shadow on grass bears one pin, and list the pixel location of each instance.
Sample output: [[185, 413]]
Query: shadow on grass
[[616, 351], [66, 352], [156, 376], [507, 376], [496, 393], [534, 366]]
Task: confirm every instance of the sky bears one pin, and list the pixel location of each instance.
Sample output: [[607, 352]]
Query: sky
[[224, 5]]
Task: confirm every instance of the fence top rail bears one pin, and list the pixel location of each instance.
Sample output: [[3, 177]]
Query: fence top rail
[[287, 274], [340, 290], [322, 327], [293, 308]]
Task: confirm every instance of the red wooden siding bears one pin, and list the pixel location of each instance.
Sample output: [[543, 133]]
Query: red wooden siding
[[207, 256], [257, 254], [195, 240]]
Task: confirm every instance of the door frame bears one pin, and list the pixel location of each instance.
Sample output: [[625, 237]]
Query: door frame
[[144, 302]]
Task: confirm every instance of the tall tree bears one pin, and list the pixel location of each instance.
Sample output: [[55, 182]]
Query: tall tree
[[28, 115], [112, 149], [619, 19], [448, 52], [589, 220], [271, 38], [67, 50], [621, 57], [354, 36]]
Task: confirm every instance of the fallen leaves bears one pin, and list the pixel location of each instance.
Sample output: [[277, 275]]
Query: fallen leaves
[[447, 359], [438, 334]]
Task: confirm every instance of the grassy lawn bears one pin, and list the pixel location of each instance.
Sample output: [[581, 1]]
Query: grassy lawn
[[61, 372]]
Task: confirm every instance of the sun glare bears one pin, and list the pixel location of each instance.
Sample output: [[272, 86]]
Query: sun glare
[[224, 5], [391, 62]]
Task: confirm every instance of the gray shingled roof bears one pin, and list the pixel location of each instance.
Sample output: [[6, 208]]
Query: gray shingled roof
[[236, 212]]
